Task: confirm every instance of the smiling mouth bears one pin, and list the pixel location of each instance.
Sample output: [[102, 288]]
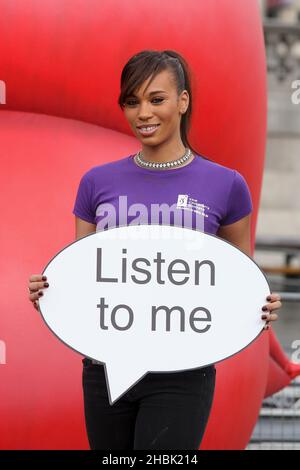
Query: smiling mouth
[[147, 130]]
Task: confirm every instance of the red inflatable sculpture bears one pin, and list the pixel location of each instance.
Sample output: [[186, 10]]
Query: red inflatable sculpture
[[61, 63]]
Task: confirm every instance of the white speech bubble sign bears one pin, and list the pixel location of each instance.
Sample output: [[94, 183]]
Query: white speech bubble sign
[[191, 301]]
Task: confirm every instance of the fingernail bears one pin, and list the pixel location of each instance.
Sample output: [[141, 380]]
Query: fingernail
[[264, 317], [44, 278], [41, 293], [265, 309], [269, 297], [46, 284]]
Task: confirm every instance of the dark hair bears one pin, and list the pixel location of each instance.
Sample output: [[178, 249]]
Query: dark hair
[[150, 62]]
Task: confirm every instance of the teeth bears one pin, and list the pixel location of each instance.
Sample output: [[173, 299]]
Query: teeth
[[147, 128]]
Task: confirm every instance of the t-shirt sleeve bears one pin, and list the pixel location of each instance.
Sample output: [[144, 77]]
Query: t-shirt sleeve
[[239, 202], [84, 207]]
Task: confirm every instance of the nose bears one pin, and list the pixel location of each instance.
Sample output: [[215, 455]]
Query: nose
[[144, 111]]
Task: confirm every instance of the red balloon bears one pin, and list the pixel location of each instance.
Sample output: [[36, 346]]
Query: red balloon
[[61, 63]]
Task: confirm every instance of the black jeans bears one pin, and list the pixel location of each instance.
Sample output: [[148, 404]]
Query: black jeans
[[164, 410]]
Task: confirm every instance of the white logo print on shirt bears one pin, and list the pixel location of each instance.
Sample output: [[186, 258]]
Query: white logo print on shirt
[[184, 201]]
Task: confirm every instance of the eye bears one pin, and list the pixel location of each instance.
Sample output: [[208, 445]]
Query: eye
[[133, 102], [130, 103], [160, 99]]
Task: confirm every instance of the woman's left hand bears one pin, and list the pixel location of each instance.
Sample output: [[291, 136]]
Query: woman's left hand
[[274, 304]]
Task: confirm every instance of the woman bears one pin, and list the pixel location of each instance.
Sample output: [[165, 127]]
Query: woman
[[163, 410]]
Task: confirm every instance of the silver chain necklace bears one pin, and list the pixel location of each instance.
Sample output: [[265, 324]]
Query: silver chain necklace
[[156, 165]]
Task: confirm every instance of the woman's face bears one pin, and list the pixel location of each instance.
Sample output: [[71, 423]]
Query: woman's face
[[158, 105]]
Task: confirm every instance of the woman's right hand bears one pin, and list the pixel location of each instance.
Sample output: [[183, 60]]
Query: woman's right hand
[[36, 283]]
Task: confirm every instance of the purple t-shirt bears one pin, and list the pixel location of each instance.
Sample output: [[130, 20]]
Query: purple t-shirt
[[201, 195]]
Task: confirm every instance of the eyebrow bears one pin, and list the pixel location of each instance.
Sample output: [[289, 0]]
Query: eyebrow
[[151, 93]]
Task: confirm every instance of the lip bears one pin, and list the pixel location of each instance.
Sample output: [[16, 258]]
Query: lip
[[145, 133]]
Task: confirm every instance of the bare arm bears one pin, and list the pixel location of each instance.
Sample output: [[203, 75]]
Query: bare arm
[[83, 228], [36, 282], [239, 234]]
